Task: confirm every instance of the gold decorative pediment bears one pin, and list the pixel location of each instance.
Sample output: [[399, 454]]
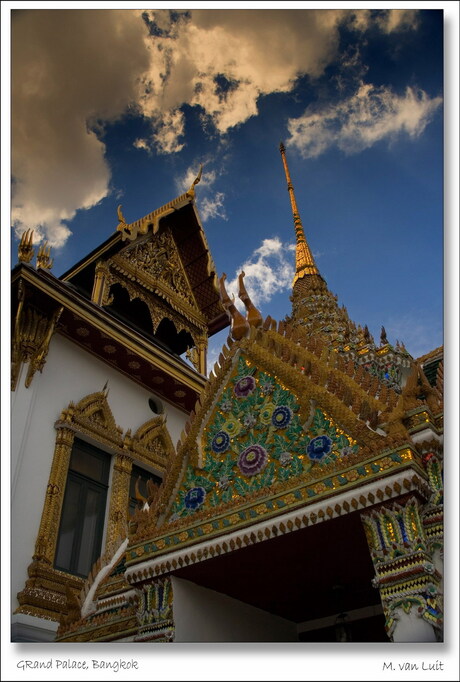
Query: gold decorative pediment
[[152, 443], [93, 413], [156, 260], [269, 420]]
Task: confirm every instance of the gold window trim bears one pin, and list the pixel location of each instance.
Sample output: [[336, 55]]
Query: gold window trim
[[44, 594]]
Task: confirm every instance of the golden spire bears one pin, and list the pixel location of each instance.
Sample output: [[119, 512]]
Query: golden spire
[[304, 261]]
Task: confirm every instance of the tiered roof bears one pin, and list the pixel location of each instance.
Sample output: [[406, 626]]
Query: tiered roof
[[296, 426]]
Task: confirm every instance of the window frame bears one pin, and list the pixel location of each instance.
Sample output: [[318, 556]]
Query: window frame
[[86, 486]]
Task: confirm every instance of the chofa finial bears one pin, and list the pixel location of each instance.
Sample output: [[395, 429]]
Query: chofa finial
[[43, 257], [25, 248], [121, 218], [191, 191]]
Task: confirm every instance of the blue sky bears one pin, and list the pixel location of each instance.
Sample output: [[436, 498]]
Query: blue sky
[[110, 107], [356, 96]]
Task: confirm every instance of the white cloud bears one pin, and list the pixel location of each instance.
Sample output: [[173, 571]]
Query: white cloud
[[386, 21], [184, 182], [169, 130], [69, 68], [268, 271], [398, 20], [210, 202], [73, 70], [370, 115], [213, 207], [219, 59]]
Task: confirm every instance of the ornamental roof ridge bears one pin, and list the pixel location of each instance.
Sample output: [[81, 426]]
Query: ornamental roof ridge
[[343, 398], [439, 351], [139, 226]]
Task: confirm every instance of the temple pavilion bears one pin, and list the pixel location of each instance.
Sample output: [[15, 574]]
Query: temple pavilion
[[293, 494]]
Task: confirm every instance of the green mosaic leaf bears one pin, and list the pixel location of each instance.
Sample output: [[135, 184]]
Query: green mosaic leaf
[[241, 486], [297, 466], [319, 421], [342, 441], [280, 444], [227, 467], [284, 473], [213, 499], [227, 495], [212, 466], [267, 475], [204, 483], [216, 426], [243, 370]]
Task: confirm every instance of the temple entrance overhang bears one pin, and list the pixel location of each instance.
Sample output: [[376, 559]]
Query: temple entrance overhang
[[310, 566]]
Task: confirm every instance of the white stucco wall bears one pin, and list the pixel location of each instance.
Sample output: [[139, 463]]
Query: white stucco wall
[[410, 627], [204, 615], [70, 374]]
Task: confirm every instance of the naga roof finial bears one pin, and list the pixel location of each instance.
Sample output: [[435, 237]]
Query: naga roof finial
[[121, 217], [253, 316], [239, 325], [191, 191]]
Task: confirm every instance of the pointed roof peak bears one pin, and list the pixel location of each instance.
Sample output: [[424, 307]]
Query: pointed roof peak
[[305, 263]]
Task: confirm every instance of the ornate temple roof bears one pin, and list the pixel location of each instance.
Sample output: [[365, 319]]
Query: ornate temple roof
[[286, 435], [181, 216], [315, 310], [125, 331], [302, 421]]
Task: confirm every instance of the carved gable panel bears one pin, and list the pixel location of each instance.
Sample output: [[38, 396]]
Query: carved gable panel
[[258, 434], [152, 443], [156, 260], [93, 416]]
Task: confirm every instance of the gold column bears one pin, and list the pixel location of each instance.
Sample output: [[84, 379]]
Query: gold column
[[97, 287], [45, 545], [16, 358], [100, 287], [44, 592], [119, 498], [202, 346]]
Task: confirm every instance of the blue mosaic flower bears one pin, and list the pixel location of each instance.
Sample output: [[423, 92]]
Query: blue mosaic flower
[[220, 442], [195, 497], [281, 416], [318, 447]]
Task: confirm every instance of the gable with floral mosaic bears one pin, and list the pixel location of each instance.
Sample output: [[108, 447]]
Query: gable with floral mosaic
[[255, 437]]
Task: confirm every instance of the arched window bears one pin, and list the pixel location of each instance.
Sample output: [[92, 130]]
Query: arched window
[[177, 342]]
